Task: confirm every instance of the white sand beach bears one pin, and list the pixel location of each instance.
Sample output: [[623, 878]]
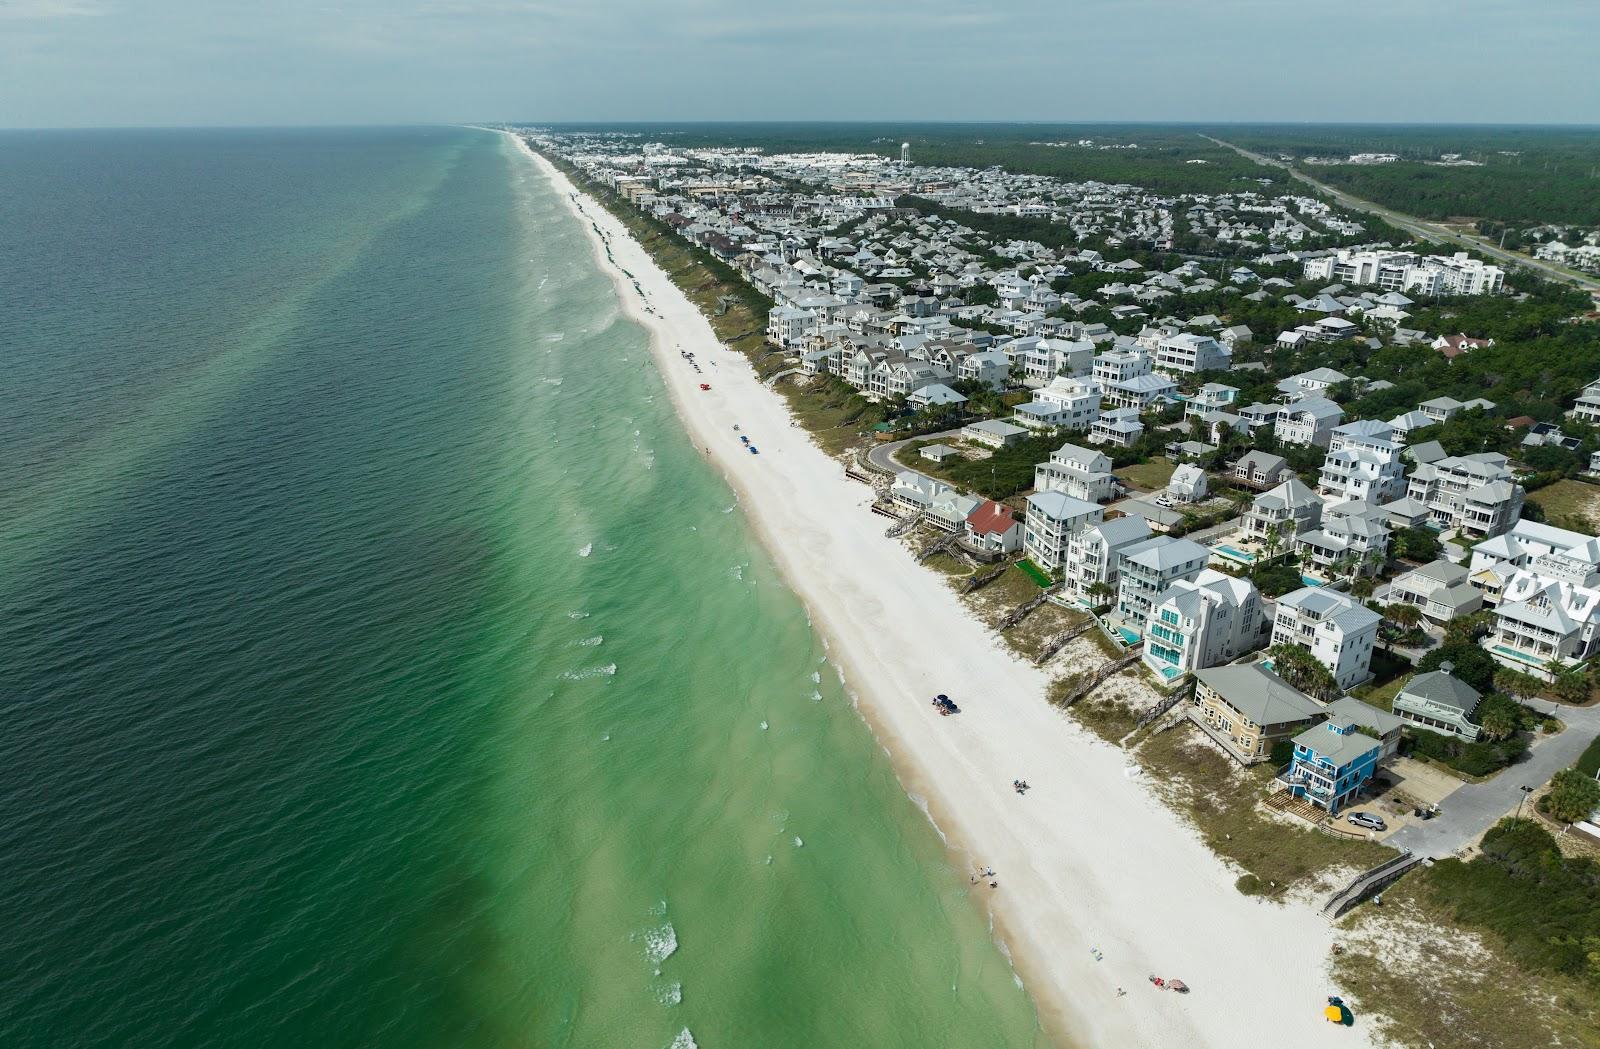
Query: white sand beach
[[1089, 858]]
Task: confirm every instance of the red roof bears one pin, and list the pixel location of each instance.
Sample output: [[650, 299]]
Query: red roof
[[991, 518]]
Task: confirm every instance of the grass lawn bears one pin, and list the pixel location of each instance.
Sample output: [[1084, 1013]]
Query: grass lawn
[[1147, 476], [1034, 572], [1220, 798], [1569, 500], [1389, 675]]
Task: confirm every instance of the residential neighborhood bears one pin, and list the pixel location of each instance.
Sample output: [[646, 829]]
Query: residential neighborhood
[[1275, 492]]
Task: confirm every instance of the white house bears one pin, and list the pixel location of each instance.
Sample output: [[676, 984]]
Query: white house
[[1050, 520], [1285, 511], [1073, 404], [1082, 473], [992, 368], [1545, 585], [1145, 570], [1352, 535], [1093, 554], [1188, 353], [913, 493], [1309, 421], [1363, 463], [1187, 484], [1336, 629], [1118, 427], [993, 433], [1209, 620], [1475, 494]]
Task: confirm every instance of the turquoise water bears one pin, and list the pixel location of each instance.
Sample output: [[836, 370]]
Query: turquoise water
[[382, 665]]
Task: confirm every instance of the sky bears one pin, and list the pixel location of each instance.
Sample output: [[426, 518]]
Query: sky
[[99, 63]]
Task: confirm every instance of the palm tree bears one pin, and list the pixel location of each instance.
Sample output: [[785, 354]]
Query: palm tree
[[1403, 615], [1571, 684], [1274, 538]]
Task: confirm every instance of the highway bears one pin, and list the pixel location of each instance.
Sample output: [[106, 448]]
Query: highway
[[1432, 231]]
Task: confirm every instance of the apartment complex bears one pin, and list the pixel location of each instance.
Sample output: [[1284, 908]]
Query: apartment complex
[[1405, 271]]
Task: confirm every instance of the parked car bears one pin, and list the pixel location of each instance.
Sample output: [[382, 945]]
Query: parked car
[[1368, 820]]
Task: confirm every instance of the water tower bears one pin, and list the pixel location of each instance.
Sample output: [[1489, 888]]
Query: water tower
[[905, 154]]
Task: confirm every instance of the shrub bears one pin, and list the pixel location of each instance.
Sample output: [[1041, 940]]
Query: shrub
[[1573, 796]]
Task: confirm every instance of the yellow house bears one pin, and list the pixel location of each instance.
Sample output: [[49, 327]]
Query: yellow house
[[1248, 709]]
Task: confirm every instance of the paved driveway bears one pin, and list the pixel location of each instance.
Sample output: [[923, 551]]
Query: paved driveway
[[1473, 808]]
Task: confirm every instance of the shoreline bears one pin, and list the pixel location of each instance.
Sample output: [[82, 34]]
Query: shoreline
[[1090, 858]]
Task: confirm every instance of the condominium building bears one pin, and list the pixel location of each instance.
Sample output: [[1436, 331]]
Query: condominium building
[[1336, 629], [1476, 494], [1405, 271]]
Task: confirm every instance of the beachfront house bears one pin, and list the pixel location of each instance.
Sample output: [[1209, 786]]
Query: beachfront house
[[1145, 570], [1198, 623], [1336, 629], [1082, 473], [914, 493], [1381, 725], [1248, 710], [936, 395], [992, 528], [1332, 762], [1093, 556], [1440, 702], [949, 511], [1050, 521]]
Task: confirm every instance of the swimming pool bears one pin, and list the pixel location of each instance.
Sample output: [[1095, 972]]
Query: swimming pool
[[1235, 553], [1129, 638], [1308, 581]]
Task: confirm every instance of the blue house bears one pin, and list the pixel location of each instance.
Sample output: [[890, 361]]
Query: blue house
[[1331, 763]]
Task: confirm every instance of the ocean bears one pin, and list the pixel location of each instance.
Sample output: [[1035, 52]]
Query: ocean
[[381, 665]]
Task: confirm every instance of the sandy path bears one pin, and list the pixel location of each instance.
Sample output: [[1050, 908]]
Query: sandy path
[[1089, 858]]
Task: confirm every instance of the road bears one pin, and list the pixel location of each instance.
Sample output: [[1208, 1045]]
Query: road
[[1433, 231], [883, 455], [1473, 808]]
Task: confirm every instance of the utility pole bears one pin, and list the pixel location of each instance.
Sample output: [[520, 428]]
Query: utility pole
[[1525, 792]]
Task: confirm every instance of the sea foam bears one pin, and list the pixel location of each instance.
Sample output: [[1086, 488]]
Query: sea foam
[[685, 1040], [583, 675]]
